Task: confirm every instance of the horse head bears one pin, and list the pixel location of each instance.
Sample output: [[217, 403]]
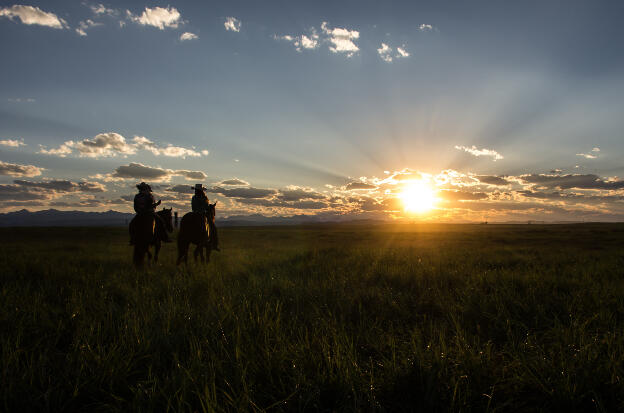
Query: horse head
[[212, 211], [167, 216]]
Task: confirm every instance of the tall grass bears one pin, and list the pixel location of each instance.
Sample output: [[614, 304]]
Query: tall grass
[[388, 318]]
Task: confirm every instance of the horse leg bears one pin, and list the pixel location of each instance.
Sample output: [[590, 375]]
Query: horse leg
[[138, 255], [182, 251], [208, 249], [196, 253], [156, 250]]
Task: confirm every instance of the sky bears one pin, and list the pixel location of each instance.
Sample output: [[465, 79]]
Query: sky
[[503, 111]]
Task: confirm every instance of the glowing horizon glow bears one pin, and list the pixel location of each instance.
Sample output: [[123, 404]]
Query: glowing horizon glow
[[418, 197]]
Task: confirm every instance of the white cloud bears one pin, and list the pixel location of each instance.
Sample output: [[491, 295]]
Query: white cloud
[[159, 17], [141, 142], [103, 144], [188, 36], [587, 155], [385, 52], [233, 182], [473, 150], [425, 27], [232, 24], [402, 52], [339, 40], [342, 40], [301, 41], [286, 37], [14, 143], [100, 9], [593, 154], [86, 24], [13, 169], [33, 15], [62, 151], [112, 144], [306, 42]]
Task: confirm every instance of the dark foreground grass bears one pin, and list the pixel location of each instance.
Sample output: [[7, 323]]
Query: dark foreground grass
[[348, 318]]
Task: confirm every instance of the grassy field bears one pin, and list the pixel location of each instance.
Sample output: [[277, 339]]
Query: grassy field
[[318, 318]]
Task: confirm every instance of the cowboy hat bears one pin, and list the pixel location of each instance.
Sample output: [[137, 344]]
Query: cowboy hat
[[199, 187], [143, 186]]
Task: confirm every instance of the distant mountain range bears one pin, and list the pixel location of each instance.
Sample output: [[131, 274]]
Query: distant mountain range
[[56, 218]]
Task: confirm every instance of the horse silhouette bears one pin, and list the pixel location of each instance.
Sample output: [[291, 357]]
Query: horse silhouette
[[196, 228], [143, 230]]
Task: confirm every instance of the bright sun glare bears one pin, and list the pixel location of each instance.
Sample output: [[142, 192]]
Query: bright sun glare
[[418, 197]]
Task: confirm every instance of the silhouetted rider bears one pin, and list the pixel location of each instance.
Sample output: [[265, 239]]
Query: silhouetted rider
[[144, 203], [200, 204]]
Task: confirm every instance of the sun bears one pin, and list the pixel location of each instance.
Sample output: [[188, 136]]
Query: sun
[[417, 197]]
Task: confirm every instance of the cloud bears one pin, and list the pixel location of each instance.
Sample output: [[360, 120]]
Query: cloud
[[85, 203], [20, 193], [234, 182], [451, 195], [401, 52], [274, 203], [339, 40], [14, 143], [188, 36], [302, 41], [492, 180], [63, 186], [17, 170], [103, 144], [578, 181], [232, 24], [570, 197], [249, 192], [62, 151], [181, 189], [473, 150], [33, 15], [342, 40], [298, 194], [385, 52], [425, 27], [100, 9], [306, 42], [359, 185], [142, 142], [29, 193], [140, 171], [86, 24], [159, 17], [285, 37], [112, 144], [593, 154]]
